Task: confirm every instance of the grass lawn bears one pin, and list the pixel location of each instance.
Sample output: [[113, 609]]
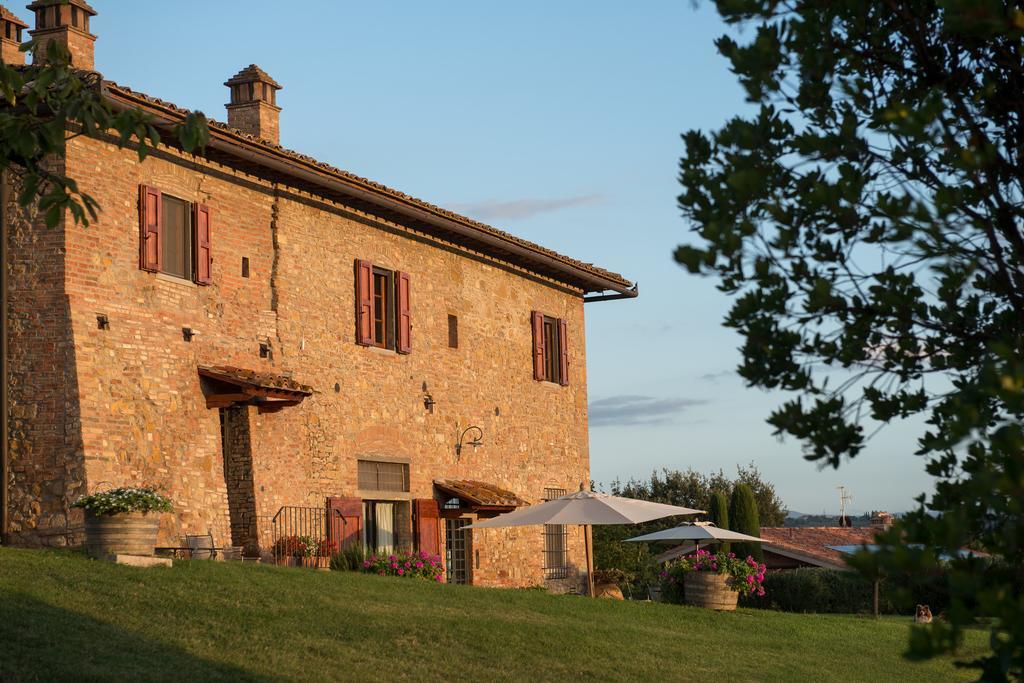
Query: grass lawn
[[63, 616]]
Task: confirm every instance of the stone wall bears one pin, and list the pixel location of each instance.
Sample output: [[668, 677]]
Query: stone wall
[[143, 416], [46, 469]]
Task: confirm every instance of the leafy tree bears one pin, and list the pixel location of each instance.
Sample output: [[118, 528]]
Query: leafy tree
[[867, 216], [42, 106], [718, 512], [693, 489], [743, 518]]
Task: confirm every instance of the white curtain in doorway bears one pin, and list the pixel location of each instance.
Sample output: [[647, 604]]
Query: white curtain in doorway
[[385, 527]]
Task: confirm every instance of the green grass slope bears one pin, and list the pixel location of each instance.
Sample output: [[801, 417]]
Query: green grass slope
[[63, 617]]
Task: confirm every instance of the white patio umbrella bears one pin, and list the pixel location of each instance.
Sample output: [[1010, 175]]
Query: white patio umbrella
[[586, 508], [696, 532]]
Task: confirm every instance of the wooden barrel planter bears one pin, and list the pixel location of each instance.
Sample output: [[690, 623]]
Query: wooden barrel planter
[[126, 533], [711, 590]]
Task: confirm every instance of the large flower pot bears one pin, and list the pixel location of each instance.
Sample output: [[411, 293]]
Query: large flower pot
[[126, 533], [709, 589]]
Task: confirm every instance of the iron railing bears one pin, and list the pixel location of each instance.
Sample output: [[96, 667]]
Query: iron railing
[[300, 535]]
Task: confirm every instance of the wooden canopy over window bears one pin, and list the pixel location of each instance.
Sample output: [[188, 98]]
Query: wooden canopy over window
[[479, 496], [226, 386]]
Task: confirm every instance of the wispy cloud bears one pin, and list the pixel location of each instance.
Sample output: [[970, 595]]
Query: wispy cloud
[[495, 209], [715, 377], [638, 410]]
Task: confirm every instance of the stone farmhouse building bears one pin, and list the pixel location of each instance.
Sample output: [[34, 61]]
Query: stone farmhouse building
[[258, 334]]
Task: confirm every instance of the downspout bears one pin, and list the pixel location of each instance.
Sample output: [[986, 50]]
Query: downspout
[[4, 402]]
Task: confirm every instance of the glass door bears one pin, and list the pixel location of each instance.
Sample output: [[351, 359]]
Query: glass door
[[456, 549]]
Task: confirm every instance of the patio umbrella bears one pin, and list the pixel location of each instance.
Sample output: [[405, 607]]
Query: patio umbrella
[[586, 508], [696, 532]]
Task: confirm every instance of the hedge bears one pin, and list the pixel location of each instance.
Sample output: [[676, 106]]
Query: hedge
[[812, 589]]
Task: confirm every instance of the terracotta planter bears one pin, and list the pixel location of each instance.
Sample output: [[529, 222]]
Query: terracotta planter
[[608, 590], [126, 533], [710, 590]]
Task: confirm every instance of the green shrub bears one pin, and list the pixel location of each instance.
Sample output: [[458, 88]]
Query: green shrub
[[718, 514], [350, 559], [743, 518]]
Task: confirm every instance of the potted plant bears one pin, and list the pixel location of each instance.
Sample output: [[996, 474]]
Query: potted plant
[[712, 580], [122, 521]]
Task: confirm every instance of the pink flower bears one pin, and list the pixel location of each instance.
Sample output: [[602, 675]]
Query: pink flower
[[760, 577], [732, 554], [714, 567], [763, 568], [750, 580], [401, 572], [438, 578], [419, 565], [407, 564], [760, 592], [366, 564], [394, 565]]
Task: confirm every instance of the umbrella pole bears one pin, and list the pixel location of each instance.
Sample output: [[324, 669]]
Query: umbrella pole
[[590, 561]]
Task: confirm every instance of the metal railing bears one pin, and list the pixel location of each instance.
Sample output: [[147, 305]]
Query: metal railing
[[300, 535]]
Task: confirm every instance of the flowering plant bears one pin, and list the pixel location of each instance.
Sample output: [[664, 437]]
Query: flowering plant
[[746, 577], [406, 564], [124, 499]]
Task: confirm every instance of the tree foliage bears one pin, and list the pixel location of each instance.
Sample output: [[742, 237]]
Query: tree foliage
[[693, 489], [867, 217], [42, 106], [743, 518]]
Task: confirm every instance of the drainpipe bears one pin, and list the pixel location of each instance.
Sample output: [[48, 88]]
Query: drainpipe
[[4, 403]]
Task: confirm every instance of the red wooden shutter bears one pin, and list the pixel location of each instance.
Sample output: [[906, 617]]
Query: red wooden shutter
[[538, 345], [428, 526], [151, 228], [364, 303], [345, 521], [203, 256], [563, 353], [404, 318]]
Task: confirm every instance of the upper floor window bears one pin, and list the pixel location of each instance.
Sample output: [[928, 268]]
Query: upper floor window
[[383, 317], [550, 349], [175, 236]]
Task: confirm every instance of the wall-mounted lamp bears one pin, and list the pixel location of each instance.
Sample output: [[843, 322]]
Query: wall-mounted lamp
[[187, 333], [102, 321], [476, 440], [428, 400]]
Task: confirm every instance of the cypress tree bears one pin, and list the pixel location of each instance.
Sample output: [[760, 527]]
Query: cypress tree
[[718, 514], [743, 518]]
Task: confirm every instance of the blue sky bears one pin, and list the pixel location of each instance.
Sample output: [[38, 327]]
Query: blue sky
[[559, 122]]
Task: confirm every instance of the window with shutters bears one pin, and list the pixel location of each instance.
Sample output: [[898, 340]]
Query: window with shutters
[[380, 475], [383, 316], [175, 236], [550, 349]]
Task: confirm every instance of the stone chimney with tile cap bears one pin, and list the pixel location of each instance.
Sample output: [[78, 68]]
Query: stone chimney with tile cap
[[10, 38], [67, 22], [253, 108]]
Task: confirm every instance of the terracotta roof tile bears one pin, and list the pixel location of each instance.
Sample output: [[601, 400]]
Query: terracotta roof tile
[[480, 493], [254, 379], [381, 188], [814, 542]]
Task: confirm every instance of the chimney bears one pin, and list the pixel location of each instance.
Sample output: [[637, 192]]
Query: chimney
[[10, 38], [253, 108], [67, 22]]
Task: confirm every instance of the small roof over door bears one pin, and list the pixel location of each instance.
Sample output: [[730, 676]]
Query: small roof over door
[[226, 386], [479, 496]]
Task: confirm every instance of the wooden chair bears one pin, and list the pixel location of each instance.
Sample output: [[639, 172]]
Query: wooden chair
[[200, 547]]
